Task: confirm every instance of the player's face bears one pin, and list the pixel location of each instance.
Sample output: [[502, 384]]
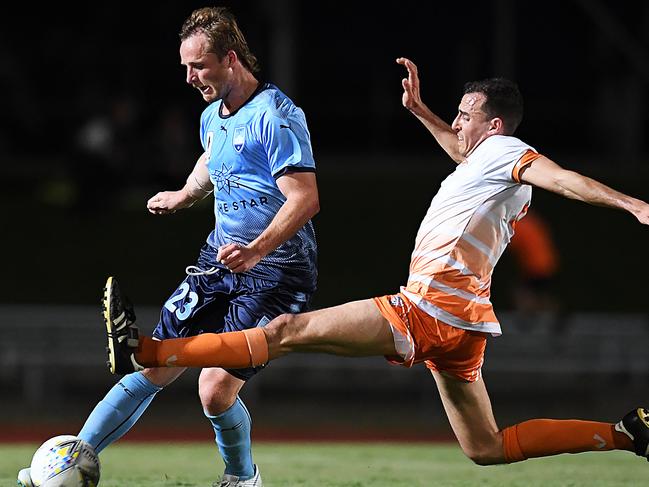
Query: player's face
[[471, 124], [205, 71]]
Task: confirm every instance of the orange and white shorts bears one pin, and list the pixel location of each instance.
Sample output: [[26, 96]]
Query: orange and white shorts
[[421, 338]]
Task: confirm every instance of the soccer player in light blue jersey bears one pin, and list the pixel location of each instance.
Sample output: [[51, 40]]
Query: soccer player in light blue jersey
[[259, 261]]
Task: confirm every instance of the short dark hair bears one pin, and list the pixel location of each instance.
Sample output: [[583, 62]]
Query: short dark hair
[[503, 100], [220, 26]]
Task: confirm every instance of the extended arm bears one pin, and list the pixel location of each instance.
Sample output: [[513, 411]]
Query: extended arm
[[197, 187], [546, 174], [443, 133], [301, 204]]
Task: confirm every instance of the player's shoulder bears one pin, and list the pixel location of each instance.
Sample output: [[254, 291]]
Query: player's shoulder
[[211, 111], [500, 146], [271, 102], [496, 142], [269, 94]]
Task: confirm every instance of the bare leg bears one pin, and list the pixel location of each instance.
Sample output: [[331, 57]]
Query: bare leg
[[355, 329], [468, 408], [162, 377]]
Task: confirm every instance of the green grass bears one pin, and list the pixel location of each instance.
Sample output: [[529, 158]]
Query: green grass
[[346, 465]]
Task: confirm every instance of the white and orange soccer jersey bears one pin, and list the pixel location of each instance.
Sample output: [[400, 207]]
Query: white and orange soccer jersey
[[465, 231]]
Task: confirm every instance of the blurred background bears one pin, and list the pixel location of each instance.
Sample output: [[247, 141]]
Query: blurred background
[[96, 118]]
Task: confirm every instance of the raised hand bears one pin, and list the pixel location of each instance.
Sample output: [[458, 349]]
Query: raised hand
[[411, 98]]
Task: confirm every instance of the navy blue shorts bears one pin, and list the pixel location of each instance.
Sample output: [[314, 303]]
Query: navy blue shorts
[[223, 302]]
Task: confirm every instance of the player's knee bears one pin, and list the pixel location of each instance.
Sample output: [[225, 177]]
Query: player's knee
[[217, 390], [279, 328], [162, 376], [214, 399], [212, 402], [285, 331], [484, 454], [208, 396]]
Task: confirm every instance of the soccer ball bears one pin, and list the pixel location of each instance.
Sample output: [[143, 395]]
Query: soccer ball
[[65, 461]]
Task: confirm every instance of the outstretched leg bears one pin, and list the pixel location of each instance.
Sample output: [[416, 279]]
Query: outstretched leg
[[354, 329], [359, 329], [468, 408]]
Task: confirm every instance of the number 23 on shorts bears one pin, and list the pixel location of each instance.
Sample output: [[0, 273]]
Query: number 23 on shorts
[[183, 312]]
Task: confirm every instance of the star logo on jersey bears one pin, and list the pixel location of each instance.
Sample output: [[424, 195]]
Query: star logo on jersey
[[226, 181]]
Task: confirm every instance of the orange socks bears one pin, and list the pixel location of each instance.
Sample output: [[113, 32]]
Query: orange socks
[[238, 349], [545, 437]]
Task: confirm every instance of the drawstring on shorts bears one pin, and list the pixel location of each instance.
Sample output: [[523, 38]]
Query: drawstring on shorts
[[192, 270]]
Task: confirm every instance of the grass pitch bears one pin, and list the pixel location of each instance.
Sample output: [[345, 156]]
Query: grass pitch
[[345, 465]]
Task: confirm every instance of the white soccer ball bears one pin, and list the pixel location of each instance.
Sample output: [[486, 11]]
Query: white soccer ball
[[65, 461]]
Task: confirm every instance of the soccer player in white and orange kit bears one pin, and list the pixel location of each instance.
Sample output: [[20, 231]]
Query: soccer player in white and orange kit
[[444, 314]]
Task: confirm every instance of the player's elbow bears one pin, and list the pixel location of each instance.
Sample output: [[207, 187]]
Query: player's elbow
[[305, 206], [313, 206], [570, 184]]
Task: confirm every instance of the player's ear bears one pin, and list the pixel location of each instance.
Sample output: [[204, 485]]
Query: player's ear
[[231, 58], [496, 126]]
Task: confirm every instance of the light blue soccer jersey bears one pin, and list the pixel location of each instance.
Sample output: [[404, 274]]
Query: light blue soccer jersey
[[248, 150]]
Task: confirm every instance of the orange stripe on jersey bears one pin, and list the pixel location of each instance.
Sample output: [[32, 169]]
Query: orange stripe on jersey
[[432, 264], [453, 278], [523, 162], [435, 248], [479, 263], [464, 309]]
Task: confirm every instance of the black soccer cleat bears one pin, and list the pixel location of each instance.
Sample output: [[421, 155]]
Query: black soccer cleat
[[636, 426], [123, 335]]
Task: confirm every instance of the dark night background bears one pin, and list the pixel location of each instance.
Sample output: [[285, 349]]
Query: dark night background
[[96, 118], [584, 77]]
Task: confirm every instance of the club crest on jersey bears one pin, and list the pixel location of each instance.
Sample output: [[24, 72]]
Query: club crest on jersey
[[239, 138]]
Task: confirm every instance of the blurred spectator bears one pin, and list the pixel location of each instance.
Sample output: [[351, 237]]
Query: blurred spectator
[[538, 261], [107, 146], [174, 143]]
